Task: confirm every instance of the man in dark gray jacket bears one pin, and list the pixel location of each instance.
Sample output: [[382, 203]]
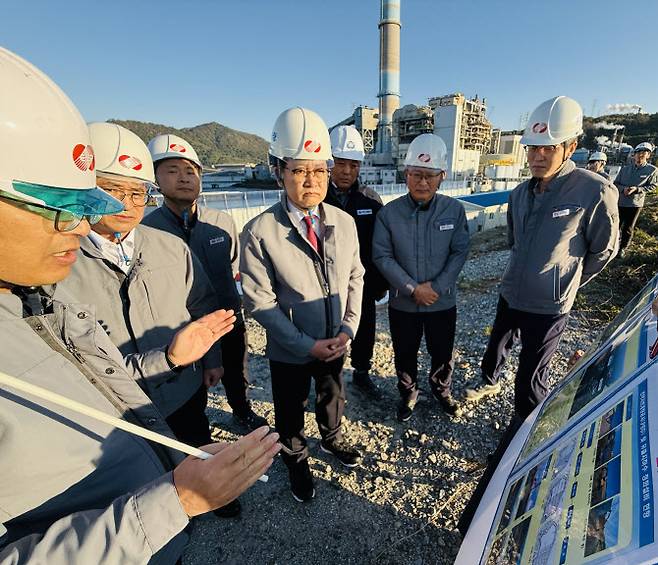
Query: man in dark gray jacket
[[303, 281], [634, 181], [420, 245], [213, 238], [363, 204], [562, 230], [74, 489]]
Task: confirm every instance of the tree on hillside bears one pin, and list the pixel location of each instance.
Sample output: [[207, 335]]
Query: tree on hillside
[[213, 142]]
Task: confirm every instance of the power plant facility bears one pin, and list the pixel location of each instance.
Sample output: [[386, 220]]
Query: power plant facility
[[476, 151]]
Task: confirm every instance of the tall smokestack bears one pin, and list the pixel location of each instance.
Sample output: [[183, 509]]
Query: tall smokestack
[[389, 71]]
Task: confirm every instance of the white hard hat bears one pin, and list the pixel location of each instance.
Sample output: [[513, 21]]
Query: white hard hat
[[553, 122], [46, 157], [428, 151], [300, 133], [121, 152], [170, 146], [598, 156], [346, 143], [644, 146]]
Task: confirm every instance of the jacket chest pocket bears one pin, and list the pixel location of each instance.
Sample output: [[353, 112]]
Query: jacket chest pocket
[[441, 234], [565, 219]]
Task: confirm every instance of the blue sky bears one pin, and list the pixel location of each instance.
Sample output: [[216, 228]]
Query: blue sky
[[240, 63]]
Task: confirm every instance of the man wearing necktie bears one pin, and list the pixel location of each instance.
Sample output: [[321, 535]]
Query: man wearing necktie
[[304, 292]]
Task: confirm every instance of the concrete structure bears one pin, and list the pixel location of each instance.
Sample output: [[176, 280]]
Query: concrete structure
[[462, 124], [226, 175], [408, 123], [365, 120], [262, 172], [506, 165], [389, 72], [373, 176]]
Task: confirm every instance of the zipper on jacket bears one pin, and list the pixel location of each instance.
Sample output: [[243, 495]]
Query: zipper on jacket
[[72, 354], [417, 249], [326, 293]]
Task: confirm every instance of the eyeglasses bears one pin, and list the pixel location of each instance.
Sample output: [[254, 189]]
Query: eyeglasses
[[63, 220], [138, 199], [301, 174], [548, 149], [418, 177]]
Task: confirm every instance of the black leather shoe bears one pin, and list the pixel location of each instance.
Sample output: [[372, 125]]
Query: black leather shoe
[[449, 405], [250, 420], [230, 510], [406, 409], [301, 482], [363, 380], [342, 451]]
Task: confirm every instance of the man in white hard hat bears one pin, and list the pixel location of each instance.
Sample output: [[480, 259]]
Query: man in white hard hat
[[152, 285], [562, 229], [634, 181], [303, 280], [596, 163], [420, 245], [363, 204], [75, 490], [213, 238]]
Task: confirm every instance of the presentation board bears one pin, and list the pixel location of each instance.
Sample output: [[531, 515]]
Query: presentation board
[[577, 483]]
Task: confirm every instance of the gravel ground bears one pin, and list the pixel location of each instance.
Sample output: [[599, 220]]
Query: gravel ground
[[401, 506]]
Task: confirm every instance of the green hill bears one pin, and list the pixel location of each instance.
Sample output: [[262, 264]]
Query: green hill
[[638, 128], [213, 142]]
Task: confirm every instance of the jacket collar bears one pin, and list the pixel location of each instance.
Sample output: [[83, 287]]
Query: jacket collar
[[327, 220], [422, 207], [173, 218], [558, 180], [11, 306]]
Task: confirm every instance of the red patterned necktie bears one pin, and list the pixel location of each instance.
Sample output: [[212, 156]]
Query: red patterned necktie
[[310, 232]]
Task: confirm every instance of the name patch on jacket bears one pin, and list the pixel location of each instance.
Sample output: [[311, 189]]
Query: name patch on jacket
[[560, 213], [216, 240], [446, 225], [364, 212]]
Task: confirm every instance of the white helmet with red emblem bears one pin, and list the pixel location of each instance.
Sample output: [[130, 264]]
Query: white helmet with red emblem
[[170, 146], [300, 133], [429, 151], [553, 122], [121, 152], [46, 156]]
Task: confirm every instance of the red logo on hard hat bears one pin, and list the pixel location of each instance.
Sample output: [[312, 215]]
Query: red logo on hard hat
[[424, 158], [312, 146], [130, 162], [83, 157], [177, 147], [539, 127]]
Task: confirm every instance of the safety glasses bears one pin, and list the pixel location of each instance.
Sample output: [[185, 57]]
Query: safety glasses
[[63, 220]]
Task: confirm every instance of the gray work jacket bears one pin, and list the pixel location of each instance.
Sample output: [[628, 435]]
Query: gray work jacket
[[295, 293], [164, 290], [214, 240], [414, 244], [645, 178], [74, 490], [569, 237]]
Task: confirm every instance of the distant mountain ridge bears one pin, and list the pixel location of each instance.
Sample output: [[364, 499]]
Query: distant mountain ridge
[[213, 142]]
